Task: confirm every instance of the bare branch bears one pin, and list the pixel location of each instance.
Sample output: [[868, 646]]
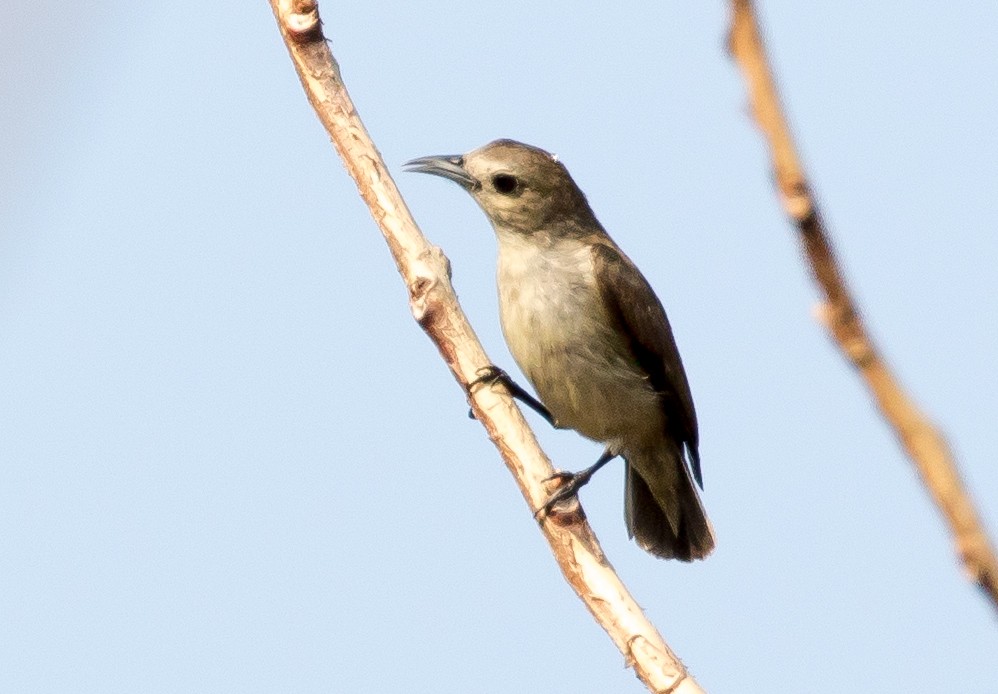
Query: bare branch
[[434, 304], [920, 439]]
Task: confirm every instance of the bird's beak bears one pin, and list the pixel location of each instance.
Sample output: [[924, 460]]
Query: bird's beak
[[451, 167]]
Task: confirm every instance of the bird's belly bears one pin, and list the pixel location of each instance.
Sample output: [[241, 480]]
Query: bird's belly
[[599, 398], [562, 339]]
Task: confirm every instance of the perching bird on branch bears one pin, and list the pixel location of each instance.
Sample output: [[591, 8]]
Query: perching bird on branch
[[589, 333]]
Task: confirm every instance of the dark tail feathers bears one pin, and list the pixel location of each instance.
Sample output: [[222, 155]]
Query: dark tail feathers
[[675, 529]]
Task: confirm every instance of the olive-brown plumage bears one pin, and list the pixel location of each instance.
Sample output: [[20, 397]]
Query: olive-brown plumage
[[589, 333]]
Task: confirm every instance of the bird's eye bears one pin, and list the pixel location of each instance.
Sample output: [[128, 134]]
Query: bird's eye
[[505, 184]]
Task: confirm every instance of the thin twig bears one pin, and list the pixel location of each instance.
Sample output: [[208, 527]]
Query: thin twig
[[920, 439], [434, 304]]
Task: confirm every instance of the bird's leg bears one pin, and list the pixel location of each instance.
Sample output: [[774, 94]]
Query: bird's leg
[[493, 374], [572, 482]]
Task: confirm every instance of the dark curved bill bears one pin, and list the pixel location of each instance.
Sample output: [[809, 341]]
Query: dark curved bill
[[448, 166]]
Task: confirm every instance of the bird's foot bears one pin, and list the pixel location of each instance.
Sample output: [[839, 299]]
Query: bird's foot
[[489, 375], [486, 375], [570, 484], [492, 374]]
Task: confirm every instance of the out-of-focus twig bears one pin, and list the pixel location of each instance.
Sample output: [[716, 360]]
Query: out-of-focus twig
[[434, 304], [921, 440]]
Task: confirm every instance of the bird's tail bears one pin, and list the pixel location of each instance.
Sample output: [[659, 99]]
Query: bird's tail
[[662, 508]]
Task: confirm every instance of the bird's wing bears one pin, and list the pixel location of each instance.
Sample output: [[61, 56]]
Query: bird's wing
[[630, 300]]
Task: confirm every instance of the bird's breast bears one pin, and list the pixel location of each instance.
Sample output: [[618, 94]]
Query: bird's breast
[[567, 344]]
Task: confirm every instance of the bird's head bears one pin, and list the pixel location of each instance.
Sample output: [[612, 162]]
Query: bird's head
[[522, 189]]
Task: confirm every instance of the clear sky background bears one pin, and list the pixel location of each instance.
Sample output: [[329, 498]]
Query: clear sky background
[[231, 462]]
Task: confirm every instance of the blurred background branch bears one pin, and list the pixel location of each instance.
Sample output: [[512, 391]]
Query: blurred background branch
[[921, 440]]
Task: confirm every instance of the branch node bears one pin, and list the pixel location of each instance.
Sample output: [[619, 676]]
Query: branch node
[[427, 272], [566, 514], [642, 650], [969, 547], [301, 20], [797, 201], [419, 290], [841, 324]]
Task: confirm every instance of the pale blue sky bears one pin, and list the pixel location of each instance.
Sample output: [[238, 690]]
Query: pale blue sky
[[231, 462]]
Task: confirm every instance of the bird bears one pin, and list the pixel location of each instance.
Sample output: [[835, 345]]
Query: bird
[[587, 330]]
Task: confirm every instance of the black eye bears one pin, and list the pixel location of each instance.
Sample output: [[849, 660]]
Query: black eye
[[505, 184]]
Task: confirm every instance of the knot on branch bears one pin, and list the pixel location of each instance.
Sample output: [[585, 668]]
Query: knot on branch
[[301, 20], [797, 200], [974, 552], [843, 324], [641, 650], [419, 290], [429, 270]]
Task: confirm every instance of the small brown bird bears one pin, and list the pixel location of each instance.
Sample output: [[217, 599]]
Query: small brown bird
[[589, 333]]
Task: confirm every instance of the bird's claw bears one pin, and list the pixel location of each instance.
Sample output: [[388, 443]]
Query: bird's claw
[[492, 374], [571, 483], [488, 375]]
